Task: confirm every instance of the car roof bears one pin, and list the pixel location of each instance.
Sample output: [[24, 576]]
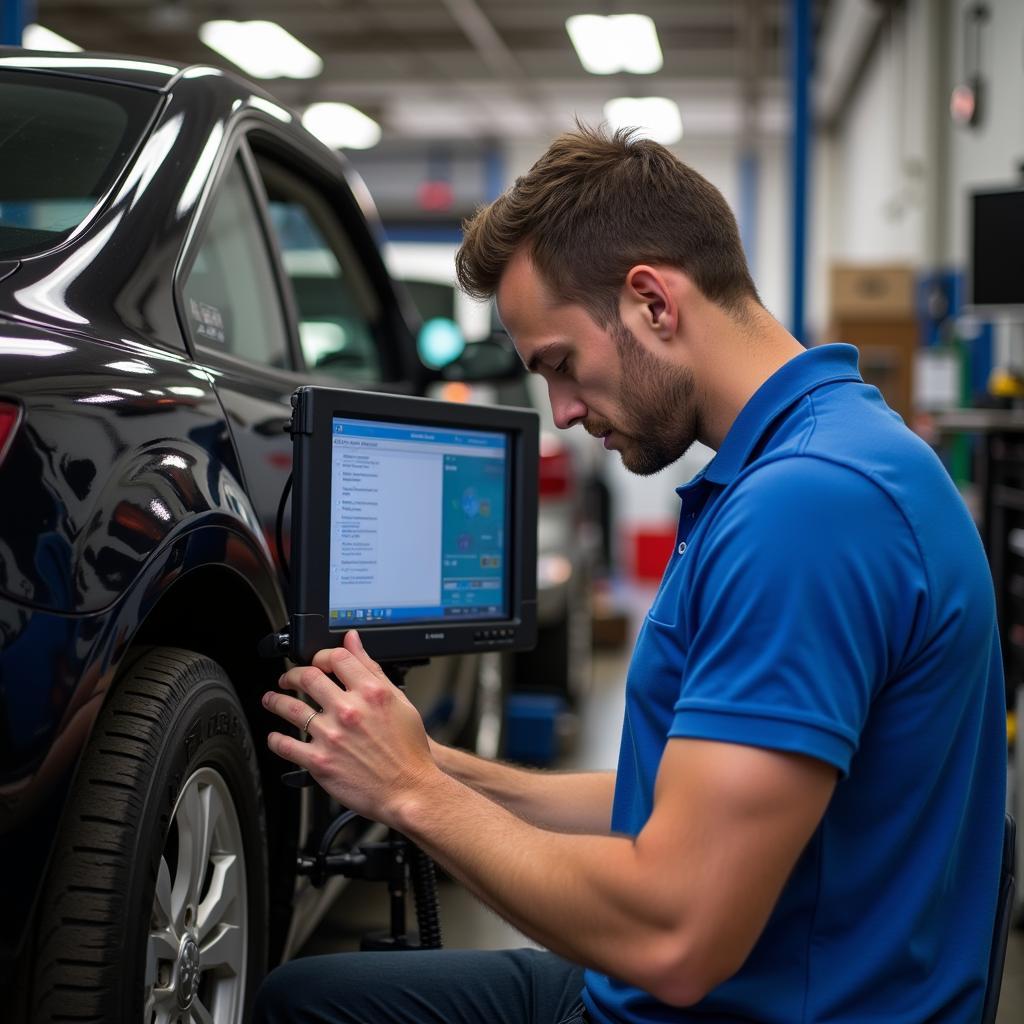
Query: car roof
[[109, 67], [146, 72]]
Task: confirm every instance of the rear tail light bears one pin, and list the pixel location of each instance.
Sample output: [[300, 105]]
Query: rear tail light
[[9, 417], [556, 474]]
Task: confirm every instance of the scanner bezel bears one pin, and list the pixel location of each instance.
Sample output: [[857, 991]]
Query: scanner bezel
[[312, 431]]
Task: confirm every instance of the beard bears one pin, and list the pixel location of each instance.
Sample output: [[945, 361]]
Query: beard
[[661, 420]]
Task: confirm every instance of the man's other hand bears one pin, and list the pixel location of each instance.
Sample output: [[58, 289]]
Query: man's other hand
[[368, 748]]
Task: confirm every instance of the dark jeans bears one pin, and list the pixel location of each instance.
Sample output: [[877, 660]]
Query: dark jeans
[[445, 986]]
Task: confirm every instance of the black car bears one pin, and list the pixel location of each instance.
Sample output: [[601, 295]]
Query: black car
[[177, 255]]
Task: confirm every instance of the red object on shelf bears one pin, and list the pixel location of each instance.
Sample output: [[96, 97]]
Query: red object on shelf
[[652, 547]]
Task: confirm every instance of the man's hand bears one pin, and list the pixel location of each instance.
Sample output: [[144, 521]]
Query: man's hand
[[368, 747]]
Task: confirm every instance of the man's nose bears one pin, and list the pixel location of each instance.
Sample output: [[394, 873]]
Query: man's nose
[[566, 409]]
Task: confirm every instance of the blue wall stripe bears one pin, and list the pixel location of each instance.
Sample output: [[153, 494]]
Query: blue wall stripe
[[423, 233], [13, 18], [494, 173], [800, 65]]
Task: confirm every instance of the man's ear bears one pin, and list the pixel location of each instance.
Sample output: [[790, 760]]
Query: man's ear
[[648, 292]]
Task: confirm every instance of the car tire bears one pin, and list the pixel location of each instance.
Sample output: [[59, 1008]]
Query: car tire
[[562, 661], [551, 667], [155, 907], [484, 731]]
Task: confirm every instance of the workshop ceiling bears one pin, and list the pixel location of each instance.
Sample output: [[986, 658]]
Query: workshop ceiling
[[449, 69]]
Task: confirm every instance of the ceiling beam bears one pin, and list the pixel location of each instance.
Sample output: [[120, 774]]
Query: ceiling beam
[[481, 33]]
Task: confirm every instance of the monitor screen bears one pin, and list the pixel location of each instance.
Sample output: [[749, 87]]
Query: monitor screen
[[997, 238], [418, 524]]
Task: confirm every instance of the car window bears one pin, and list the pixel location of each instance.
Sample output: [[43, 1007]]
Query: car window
[[337, 307], [62, 144], [431, 298], [230, 297]]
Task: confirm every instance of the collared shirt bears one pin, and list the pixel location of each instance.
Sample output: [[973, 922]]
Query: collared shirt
[[829, 596]]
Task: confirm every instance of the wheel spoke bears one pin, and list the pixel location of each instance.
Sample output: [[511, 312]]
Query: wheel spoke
[[223, 951], [161, 1006], [162, 906], [199, 1013], [224, 890], [194, 835], [161, 945]]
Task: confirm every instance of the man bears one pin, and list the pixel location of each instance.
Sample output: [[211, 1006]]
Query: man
[[806, 818]]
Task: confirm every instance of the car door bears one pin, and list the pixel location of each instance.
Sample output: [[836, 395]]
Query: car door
[[241, 333]]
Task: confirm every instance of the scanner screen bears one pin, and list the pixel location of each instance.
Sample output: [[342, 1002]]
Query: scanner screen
[[419, 524]]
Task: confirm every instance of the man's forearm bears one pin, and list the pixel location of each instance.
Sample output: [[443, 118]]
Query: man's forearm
[[560, 801], [582, 896]]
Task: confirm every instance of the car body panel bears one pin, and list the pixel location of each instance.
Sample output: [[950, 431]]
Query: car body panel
[[111, 466]]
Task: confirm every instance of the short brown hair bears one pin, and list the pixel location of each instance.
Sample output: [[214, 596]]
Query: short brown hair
[[597, 204]]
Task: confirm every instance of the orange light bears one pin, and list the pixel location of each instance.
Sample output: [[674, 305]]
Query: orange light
[[456, 391]]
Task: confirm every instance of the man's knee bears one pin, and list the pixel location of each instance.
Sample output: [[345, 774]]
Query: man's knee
[[288, 995], [338, 988], [271, 998]]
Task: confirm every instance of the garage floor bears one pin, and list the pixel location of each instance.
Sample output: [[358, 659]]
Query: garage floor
[[468, 924]]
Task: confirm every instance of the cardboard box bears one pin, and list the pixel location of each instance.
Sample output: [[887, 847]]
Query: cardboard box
[[887, 356], [872, 292]]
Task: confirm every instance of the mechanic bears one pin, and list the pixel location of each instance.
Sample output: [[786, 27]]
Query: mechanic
[[806, 819]]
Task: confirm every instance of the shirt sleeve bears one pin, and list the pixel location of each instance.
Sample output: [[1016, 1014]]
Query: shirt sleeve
[[807, 593]]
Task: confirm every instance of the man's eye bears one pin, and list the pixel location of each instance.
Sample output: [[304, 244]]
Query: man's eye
[[563, 366]]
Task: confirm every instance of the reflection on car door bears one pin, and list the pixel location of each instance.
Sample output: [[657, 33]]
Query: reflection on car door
[[236, 322]]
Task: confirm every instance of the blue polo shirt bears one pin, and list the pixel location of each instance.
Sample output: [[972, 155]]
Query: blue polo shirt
[[829, 595]]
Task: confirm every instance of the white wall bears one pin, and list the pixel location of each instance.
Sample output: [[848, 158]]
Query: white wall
[[772, 265], [879, 159], [990, 154], [901, 170]]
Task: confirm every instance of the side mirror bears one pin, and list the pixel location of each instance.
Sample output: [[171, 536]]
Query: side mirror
[[440, 342], [490, 359]]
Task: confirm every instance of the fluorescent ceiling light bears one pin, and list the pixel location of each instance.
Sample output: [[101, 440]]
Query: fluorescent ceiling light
[[340, 126], [656, 116], [35, 37], [618, 42], [261, 48]]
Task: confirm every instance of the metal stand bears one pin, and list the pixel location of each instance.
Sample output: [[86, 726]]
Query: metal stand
[[391, 861]]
